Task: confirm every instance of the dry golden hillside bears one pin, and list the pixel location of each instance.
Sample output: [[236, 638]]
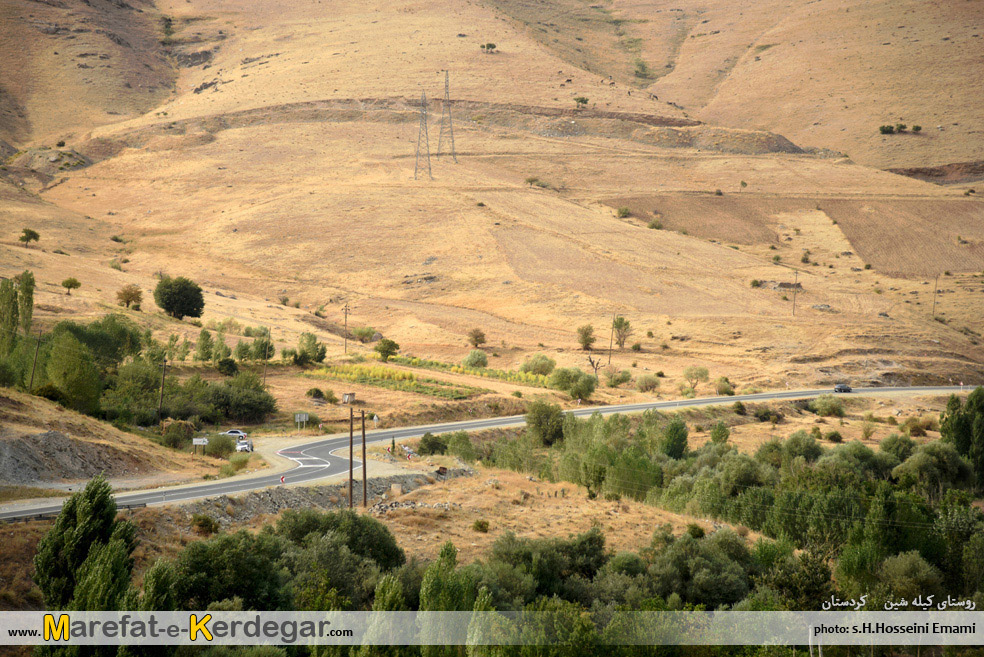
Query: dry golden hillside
[[824, 74], [282, 165]]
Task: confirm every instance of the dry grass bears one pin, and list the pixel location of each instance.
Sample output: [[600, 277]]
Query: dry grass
[[309, 131], [509, 501]]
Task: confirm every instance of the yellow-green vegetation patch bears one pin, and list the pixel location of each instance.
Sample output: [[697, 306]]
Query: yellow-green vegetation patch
[[386, 377]]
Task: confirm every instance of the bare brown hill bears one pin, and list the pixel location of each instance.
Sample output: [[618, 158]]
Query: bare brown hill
[[946, 174], [824, 74], [73, 64]]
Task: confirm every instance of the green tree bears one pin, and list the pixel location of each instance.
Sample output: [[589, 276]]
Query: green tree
[[241, 352], [545, 422], [203, 350], [28, 236], [179, 297], [695, 374], [388, 597], [312, 350], [973, 564], [25, 300], [444, 588], [229, 565], [72, 371], [673, 442], [386, 349], [908, 575], [623, 330], [586, 337], [476, 337], [158, 587], [71, 283], [720, 433], [104, 578], [87, 521], [129, 295], [8, 316], [263, 349]]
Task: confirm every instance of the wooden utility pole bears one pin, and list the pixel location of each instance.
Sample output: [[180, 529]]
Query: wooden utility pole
[[351, 450], [30, 386], [160, 405], [611, 340], [365, 495], [936, 287], [345, 332], [795, 288]]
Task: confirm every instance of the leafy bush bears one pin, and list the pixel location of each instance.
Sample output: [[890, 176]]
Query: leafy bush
[[460, 445], [647, 383], [574, 382], [623, 212], [431, 444], [720, 433], [177, 434], [834, 436], [827, 406], [739, 408], [724, 387], [481, 525], [768, 415], [475, 358], [204, 524], [538, 364], [616, 378], [887, 129], [220, 446], [364, 333], [227, 367], [315, 393]]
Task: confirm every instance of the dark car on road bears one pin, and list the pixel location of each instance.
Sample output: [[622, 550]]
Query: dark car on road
[[842, 387]]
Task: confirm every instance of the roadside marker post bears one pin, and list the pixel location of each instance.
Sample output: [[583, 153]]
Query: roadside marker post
[[365, 494], [351, 451]]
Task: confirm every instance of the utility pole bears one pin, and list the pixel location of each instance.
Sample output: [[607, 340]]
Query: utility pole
[[611, 340], [345, 336], [266, 354], [795, 288], [422, 140], [351, 450], [936, 288], [160, 405], [365, 498], [446, 111], [30, 386]]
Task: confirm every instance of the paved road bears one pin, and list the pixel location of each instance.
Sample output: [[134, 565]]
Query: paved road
[[315, 461]]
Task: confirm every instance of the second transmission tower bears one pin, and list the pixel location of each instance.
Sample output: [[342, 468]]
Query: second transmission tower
[[423, 143], [446, 112]]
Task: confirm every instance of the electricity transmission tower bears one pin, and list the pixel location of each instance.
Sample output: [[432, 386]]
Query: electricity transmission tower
[[423, 140], [446, 112]]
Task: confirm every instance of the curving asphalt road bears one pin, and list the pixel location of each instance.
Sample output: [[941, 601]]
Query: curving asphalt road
[[315, 460]]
